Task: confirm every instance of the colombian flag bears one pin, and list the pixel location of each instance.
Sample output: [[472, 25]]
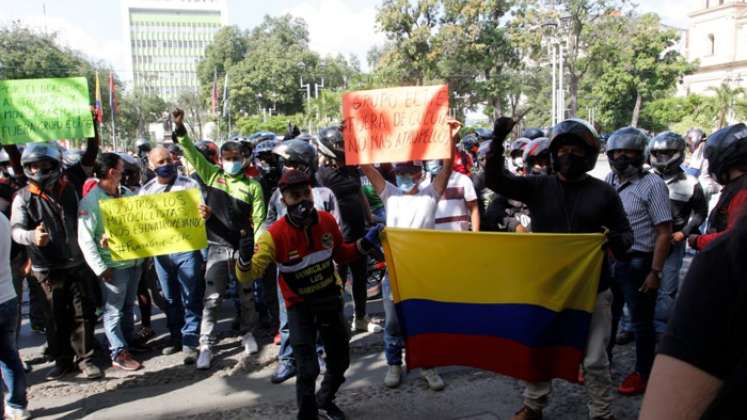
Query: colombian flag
[[99, 110], [515, 304]]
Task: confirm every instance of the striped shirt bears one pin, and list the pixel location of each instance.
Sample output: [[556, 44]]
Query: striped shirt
[[646, 202]]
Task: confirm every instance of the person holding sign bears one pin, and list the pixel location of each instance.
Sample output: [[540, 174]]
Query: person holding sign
[[179, 274], [44, 220], [235, 203], [408, 206], [305, 244], [119, 279]]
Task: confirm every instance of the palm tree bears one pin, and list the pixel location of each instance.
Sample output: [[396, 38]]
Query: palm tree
[[726, 98]]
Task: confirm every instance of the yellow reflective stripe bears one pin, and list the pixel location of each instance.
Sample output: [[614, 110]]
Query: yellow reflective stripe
[[555, 271]]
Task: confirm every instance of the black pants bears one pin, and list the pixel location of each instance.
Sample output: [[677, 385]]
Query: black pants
[[359, 269], [305, 321], [69, 314]]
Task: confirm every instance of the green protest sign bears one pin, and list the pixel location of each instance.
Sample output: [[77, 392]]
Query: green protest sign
[[37, 110]]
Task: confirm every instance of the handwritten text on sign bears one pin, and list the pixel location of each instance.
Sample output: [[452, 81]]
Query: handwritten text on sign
[[37, 110], [151, 225], [396, 125]]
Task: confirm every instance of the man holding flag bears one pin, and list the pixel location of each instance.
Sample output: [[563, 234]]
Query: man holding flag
[[570, 201]]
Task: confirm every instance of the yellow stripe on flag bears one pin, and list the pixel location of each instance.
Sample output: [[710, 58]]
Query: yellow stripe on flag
[[555, 271]]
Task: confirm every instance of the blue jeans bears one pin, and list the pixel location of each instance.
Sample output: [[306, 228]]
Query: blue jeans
[[670, 282], [393, 340], [10, 362], [180, 276], [119, 300], [629, 276]]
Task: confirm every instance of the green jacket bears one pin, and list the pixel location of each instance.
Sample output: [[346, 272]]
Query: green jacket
[[236, 201], [91, 228]]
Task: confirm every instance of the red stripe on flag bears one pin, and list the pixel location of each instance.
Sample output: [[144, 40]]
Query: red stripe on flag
[[496, 354]]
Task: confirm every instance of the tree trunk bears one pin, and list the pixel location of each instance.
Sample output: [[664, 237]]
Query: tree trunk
[[573, 93], [497, 108], [636, 110]]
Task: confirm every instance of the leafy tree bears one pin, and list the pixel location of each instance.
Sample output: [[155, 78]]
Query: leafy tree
[[726, 99]]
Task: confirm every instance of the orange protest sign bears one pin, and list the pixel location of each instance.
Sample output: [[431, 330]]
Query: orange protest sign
[[396, 124]]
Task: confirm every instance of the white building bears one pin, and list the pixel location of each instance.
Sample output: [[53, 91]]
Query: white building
[[166, 39], [717, 38]]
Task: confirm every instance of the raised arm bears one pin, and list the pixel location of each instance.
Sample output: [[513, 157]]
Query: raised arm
[[92, 146], [204, 169], [373, 175]]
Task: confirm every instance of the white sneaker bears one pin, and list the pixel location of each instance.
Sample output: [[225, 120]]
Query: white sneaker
[[365, 325], [393, 376], [435, 383], [16, 413], [250, 344], [204, 358]]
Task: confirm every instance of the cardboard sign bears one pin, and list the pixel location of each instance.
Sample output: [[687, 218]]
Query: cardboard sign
[[157, 224], [396, 125], [39, 110]]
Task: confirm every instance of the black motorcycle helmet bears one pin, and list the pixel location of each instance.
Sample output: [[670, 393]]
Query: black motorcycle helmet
[[484, 134], [38, 152], [628, 138], [532, 133], [142, 147], [297, 154], [575, 129], [132, 171], [267, 162], [667, 152], [261, 136], [726, 149], [331, 144], [517, 147], [208, 149], [537, 152]]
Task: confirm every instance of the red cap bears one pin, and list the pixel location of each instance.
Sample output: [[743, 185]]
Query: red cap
[[293, 178]]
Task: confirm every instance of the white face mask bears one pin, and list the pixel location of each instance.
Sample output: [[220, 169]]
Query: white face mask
[[232, 167]]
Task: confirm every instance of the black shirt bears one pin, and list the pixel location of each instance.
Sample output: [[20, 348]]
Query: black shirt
[[587, 206], [708, 328], [346, 184]]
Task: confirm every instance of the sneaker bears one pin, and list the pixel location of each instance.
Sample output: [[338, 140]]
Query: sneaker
[[331, 411], [171, 349], [125, 361], [57, 372], [624, 338], [250, 344], [138, 347], [393, 376], [12, 413], [284, 372], [527, 413], [365, 325], [634, 384], [276, 340], [204, 358], [435, 383], [90, 371], [189, 355]]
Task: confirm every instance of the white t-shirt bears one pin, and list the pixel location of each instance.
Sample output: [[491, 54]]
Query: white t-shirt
[[180, 183], [452, 212], [7, 292], [415, 211]]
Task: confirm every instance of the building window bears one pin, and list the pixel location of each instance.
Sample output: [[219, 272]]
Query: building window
[[711, 44]]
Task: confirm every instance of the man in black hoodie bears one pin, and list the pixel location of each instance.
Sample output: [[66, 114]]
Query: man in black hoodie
[[570, 201]]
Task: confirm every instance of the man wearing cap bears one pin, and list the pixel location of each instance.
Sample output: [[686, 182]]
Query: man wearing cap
[[407, 206], [305, 244]]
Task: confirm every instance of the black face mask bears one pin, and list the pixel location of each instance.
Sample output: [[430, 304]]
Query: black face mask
[[301, 213], [571, 166], [625, 166]]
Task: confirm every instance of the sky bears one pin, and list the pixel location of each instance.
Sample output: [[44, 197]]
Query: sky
[[335, 26]]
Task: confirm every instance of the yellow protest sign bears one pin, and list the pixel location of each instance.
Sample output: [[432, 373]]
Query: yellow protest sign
[[157, 224]]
